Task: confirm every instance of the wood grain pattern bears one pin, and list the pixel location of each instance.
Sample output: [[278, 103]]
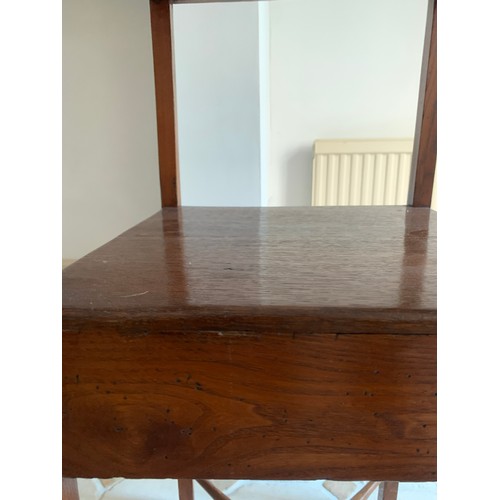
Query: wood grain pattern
[[254, 343], [241, 405], [424, 164], [161, 33], [316, 269]]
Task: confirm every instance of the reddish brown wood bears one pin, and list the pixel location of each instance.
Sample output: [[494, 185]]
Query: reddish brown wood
[[69, 489], [365, 492], [307, 270], [417, 226], [425, 148], [161, 33], [214, 492], [254, 343], [388, 490], [292, 348], [248, 405], [185, 489]]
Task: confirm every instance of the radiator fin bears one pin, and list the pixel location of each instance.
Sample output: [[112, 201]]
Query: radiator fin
[[355, 172]]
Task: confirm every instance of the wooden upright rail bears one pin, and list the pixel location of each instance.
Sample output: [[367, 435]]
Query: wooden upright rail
[[425, 146], [161, 32]]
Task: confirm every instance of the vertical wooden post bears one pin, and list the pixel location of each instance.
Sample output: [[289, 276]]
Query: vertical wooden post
[[69, 489], [161, 32], [388, 490], [425, 145], [185, 489]]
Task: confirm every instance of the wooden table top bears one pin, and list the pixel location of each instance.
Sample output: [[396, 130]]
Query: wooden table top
[[321, 269], [254, 343]]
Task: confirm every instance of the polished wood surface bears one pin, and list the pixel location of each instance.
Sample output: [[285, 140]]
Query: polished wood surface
[[425, 147], [255, 343], [161, 35], [272, 345], [316, 269]]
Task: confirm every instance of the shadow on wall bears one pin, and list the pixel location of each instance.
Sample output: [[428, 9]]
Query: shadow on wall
[[298, 177]]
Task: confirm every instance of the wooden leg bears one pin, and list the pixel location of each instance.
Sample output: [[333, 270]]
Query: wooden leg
[[365, 492], [214, 492], [69, 489], [388, 490], [185, 489]]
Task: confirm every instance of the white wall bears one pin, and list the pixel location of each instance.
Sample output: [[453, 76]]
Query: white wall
[[110, 162], [217, 88], [249, 101], [338, 70], [110, 172]]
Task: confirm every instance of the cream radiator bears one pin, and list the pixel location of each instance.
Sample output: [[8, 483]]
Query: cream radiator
[[361, 172]]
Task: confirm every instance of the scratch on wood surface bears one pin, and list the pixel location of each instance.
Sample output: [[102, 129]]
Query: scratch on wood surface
[[134, 294]]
